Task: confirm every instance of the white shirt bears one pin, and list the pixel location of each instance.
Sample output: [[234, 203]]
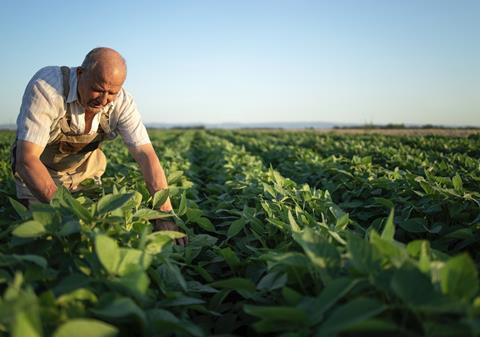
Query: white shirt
[[43, 106]]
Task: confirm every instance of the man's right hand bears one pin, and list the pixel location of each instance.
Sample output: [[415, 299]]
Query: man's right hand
[[166, 225]]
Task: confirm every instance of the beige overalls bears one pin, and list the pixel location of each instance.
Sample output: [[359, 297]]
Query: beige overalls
[[70, 158]]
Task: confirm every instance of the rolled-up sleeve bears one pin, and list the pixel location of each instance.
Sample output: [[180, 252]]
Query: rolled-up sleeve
[[37, 112], [130, 125]]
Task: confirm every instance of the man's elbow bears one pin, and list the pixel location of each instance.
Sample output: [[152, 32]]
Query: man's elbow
[[143, 154]]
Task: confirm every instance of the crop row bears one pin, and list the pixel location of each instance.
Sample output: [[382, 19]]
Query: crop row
[[438, 208]]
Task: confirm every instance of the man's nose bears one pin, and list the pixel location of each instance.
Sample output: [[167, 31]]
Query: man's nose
[[104, 98]]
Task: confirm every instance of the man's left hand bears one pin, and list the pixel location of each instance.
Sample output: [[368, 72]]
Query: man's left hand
[[165, 225]]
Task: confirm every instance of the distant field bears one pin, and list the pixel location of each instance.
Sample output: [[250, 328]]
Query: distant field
[[407, 132], [298, 233]]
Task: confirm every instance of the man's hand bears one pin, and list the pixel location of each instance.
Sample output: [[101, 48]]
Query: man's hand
[[166, 225]]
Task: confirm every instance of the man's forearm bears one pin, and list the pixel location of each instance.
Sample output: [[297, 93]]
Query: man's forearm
[[36, 177], [157, 181], [153, 174]]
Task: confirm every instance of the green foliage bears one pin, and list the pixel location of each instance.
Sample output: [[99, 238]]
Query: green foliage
[[290, 234]]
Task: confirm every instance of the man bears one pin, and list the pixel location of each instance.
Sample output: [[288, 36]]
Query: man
[[65, 114]]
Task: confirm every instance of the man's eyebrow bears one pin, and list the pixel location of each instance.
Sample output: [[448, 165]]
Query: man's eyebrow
[[100, 89]]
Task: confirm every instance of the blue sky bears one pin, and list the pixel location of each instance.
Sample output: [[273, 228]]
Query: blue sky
[[376, 61]]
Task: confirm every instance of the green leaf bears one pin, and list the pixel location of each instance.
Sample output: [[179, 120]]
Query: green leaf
[[293, 224], [193, 214], [44, 213], [230, 257], [70, 283], [80, 294], [235, 227], [121, 309], [21, 210], [342, 222], [459, 278], [36, 259], [137, 281], [85, 327], [26, 325], [74, 205], [384, 202], [111, 202], [363, 256], [29, 229], [151, 214], [181, 300], [349, 314], [131, 260], [421, 295], [137, 199], [156, 242], [277, 313], [170, 277], [69, 228], [391, 251], [205, 223], [420, 249], [235, 283], [182, 208], [374, 326], [169, 234], [413, 225], [197, 287], [166, 322], [320, 252], [342, 218], [19, 309], [389, 229], [159, 198], [457, 183], [291, 297], [26, 320], [173, 177], [108, 252], [290, 259], [278, 177], [329, 296], [273, 280]]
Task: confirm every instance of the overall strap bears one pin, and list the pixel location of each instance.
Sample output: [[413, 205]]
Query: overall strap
[[104, 122], [66, 81], [64, 121]]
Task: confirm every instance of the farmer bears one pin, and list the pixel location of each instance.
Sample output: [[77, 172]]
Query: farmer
[[65, 114]]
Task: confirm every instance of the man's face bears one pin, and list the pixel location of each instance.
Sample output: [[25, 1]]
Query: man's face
[[96, 89]]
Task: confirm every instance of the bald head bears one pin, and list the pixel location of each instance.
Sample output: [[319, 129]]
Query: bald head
[[100, 78], [105, 62]]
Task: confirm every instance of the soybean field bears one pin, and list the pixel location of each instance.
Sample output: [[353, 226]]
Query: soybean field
[[291, 234]]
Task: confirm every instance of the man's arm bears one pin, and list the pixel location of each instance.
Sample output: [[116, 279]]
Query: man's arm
[[152, 171], [33, 172], [155, 179]]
